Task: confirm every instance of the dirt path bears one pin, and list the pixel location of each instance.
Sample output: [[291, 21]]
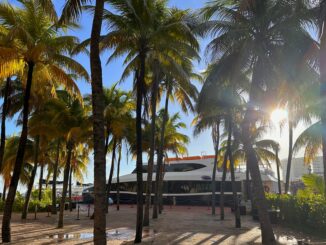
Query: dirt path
[[177, 225]]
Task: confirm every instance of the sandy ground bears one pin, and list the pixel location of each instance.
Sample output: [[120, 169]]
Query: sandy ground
[[177, 225]]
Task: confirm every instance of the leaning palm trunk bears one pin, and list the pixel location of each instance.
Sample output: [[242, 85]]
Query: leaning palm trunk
[[222, 186], [3, 120], [65, 184], [160, 188], [118, 178], [160, 154], [98, 128], [32, 178], [216, 139], [139, 150], [257, 184], [54, 180], [234, 188], [278, 173], [288, 168], [4, 192], [111, 171], [6, 234], [247, 182], [40, 183], [70, 191], [322, 58], [155, 86]]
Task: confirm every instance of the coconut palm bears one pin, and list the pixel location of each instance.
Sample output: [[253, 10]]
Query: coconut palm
[[142, 19], [72, 10], [217, 97], [249, 38], [7, 92], [321, 17], [79, 161], [202, 122], [44, 50], [165, 61], [73, 119], [9, 161]]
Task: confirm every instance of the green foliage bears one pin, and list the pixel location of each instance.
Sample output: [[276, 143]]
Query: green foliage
[[305, 211], [313, 183], [41, 205]]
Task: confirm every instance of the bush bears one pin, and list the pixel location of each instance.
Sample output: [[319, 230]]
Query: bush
[[303, 211], [41, 205]]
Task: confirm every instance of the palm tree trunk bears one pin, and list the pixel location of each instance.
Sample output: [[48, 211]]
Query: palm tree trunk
[[32, 178], [4, 192], [160, 189], [155, 86], [288, 168], [107, 139], [3, 120], [216, 140], [98, 128], [278, 173], [111, 171], [160, 154], [6, 234], [234, 188], [322, 62], [118, 178], [249, 121], [139, 149], [65, 184], [70, 191], [40, 183], [222, 186], [247, 181], [54, 180]]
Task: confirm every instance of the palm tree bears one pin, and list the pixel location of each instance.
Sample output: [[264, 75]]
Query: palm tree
[[244, 32], [321, 17], [118, 110], [50, 58], [9, 161], [202, 122], [73, 119], [171, 141], [142, 19], [72, 10], [185, 92]]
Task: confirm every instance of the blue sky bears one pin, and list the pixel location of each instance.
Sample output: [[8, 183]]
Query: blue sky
[[111, 74]]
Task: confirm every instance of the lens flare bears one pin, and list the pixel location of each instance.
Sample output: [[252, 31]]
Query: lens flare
[[279, 115]]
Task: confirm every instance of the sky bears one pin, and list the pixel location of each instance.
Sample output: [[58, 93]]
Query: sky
[[201, 145]]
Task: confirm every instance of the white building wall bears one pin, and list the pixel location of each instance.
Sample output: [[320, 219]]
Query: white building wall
[[298, 168]]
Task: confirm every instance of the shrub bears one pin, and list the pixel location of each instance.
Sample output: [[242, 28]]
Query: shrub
[[304, 211], [41, 205]]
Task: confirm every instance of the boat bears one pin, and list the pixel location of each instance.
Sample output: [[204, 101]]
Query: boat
[[187, 181]]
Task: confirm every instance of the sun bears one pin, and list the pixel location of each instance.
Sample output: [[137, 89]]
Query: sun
[[279, 115]]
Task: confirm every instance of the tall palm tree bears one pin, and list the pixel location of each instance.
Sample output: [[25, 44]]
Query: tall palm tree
[[72, 10], [44, 50], [321, 18], [73, 119], [202, 122], [249, 35], [142, 20]]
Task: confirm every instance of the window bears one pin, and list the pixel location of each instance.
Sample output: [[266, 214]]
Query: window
[[176, 167]]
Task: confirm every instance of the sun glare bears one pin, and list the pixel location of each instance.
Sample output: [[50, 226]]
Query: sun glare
[[278, 115]]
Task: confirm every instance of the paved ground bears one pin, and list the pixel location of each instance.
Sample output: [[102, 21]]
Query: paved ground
[[177, 225]]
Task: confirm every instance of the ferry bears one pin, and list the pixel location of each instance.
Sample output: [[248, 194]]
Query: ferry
[[187, 181]]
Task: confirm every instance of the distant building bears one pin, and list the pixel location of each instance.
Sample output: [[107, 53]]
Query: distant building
[[299, 168]]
